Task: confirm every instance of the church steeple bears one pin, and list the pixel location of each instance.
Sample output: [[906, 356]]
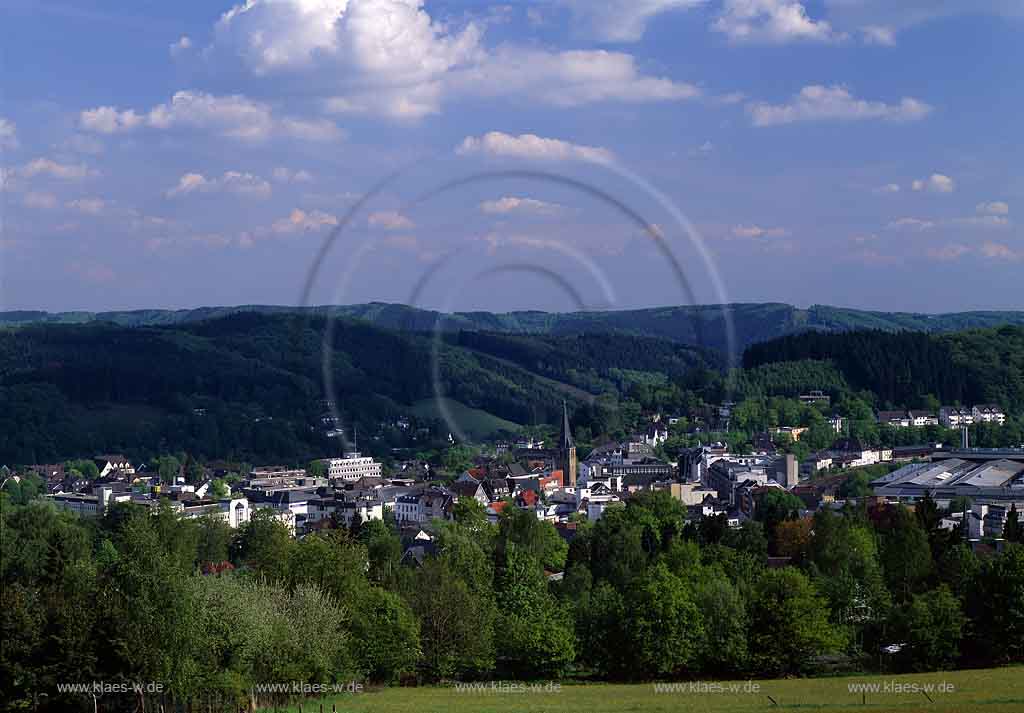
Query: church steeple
[[565, 436], [567, 450]]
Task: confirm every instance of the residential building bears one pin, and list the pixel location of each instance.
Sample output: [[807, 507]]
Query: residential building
[[955, 416], [352, 466], [988, 413]]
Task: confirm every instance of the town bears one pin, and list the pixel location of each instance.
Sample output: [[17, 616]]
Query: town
[[981, 488]]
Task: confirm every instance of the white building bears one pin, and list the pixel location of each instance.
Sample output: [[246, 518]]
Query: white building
[[352, 466], [988, 413], [955, 416]]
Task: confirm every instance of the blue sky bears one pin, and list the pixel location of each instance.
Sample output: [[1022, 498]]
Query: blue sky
[[556, 154]]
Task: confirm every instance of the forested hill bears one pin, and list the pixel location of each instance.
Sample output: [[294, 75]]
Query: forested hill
[[703, 325], [251, 385], [905, 369]]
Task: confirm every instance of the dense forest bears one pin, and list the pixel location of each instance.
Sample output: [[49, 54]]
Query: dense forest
[[210, 613], [701, 325], [906, 368], [251, 386]]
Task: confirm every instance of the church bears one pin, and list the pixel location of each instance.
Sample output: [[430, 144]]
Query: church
[[566, 453]]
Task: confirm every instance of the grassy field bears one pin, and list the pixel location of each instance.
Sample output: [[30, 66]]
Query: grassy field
[[988, 690], [474, 422]]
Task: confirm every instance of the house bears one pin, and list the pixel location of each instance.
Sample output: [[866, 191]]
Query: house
[[497, 488], [920, 419], [107, 464], [893, 419], [955, 416], [988, 413], [469, 489], [816, 397]]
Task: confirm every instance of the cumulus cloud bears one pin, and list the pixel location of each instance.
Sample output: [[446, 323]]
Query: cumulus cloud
[[40, 200], [774, 21], [236, 182], [911, 224], [89, 206], [183, 44], [756, 231], [390, 58], [622, 20], [283, 174], [55, 169], [821, 103], [888, 188], [999, 251], [935, 183], [389, 220], [993, 208], [570, 78], [531, 146], [234, 116], [8, 134], [300, 221], [512, 204]]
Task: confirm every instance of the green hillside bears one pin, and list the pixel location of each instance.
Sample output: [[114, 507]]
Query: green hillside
[[702, 325]]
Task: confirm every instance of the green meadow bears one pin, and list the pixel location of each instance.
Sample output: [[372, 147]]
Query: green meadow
[[998, 690]]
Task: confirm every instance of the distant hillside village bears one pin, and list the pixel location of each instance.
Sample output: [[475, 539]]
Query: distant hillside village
[[977, 487]]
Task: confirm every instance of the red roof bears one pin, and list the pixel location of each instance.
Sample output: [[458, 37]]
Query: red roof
[[528, 497], [499, 506]]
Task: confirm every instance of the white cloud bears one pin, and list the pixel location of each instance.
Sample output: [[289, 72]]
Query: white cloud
[[283, 174], [389, 220], [234, 116], [935, 183], [911, 224], [622, 20], [888, 188], [567, 79], [300, 221], [63, 171], [879, 35], [183, 44], [8, 134], [512, 204], [999, 251], [756, 231], [993, 208], [89, 206], [774, 21], [531, 146], [241, 184], [983, 221], [819, 103], [109, 120], [390, 58], [40, 201]]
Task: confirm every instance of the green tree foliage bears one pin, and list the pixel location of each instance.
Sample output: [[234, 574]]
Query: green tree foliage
[[931, 626], [789, 623]]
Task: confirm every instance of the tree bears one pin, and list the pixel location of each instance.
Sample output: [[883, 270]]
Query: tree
[[664, 627], [456, 625], [534, 634], [789, 623], [932, 625], [1013, 531], [724, 644], [385, 635], [906, 555], [263, 544]]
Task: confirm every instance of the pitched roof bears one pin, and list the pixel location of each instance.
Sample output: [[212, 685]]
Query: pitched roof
[[565, 441]]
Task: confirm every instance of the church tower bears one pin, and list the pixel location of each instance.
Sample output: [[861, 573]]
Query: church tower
[[567, 451]]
